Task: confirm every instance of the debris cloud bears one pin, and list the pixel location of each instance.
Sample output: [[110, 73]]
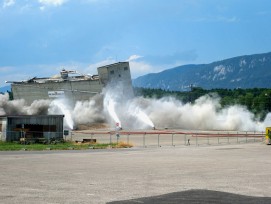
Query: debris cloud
[[205, 113]]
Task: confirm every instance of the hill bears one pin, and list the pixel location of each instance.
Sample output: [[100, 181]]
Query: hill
[[249, 71]]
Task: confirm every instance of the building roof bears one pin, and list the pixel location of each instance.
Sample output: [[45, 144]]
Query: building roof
[[29, 116]]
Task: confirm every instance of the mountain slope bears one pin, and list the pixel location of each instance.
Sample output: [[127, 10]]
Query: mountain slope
[[5, 89], [248, 71]]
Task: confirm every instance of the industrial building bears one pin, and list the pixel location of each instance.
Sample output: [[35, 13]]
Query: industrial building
[[73, 85], [34, 127]]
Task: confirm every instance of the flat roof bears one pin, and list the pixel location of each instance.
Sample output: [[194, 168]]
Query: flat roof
[[110, 65], [28, 116]]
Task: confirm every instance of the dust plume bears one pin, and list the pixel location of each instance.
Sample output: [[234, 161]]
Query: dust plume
[[91, 111], [205, 114], [19, 107], [112, 107]]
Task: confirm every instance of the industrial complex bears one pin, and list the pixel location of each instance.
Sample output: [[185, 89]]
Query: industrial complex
[[70, 85], [73, 85]]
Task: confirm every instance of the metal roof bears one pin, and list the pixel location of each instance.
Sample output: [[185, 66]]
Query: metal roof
[[29, 116]]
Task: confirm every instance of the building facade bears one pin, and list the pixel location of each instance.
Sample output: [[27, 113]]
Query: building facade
[[43, 127], [74, 88]]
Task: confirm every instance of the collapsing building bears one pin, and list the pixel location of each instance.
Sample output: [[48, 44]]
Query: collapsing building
[[75, 88]]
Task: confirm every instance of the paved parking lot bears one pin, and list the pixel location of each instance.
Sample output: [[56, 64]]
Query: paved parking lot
[[102, 176]]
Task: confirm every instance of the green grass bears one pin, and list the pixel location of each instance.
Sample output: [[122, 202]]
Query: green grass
[[13, 146]]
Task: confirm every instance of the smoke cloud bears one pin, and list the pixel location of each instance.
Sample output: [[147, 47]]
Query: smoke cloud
[[91, 111], [141, 113], [205, 114], [19, 107]]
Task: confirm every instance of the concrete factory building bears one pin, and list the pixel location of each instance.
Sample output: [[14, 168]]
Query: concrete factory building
[[78, 87], [32, 127]]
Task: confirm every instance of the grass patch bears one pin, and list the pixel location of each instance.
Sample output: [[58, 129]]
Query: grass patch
[[15, 146]]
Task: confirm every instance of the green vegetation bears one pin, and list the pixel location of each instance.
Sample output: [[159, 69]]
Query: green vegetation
[[257, 100], [12, 146]]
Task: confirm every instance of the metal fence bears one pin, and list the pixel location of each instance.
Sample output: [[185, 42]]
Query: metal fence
[[169, 138], [141, 138]]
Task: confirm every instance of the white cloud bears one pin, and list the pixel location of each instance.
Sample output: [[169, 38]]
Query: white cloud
[[140, 67], [224, 19], [92, 68], [52, 2], [55, 3], [8, 3], [230, 19], [6, 69], [133, 57]]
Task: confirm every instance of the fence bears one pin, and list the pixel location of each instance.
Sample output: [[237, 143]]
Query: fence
[[170, 138], [142, 138]]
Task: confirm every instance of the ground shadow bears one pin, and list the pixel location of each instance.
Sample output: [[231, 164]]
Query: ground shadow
[[197, 196]]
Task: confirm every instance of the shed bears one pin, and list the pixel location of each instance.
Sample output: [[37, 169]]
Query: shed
[[14, 127]]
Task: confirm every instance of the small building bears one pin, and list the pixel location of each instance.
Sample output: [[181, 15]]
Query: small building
[[43, 127]]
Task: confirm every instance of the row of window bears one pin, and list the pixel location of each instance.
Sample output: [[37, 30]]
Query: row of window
[[125, 69]]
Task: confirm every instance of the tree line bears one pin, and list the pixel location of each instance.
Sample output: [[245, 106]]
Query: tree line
[[257, 100]]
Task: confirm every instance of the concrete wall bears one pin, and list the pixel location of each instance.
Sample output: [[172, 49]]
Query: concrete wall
[[113, 75], [73, 90], [117, 76]]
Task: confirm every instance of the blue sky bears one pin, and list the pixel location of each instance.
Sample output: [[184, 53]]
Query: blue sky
[[40, 37]]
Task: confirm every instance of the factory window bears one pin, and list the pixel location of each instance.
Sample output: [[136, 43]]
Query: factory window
[[49, 128], [112, 72], [119, 75], [125, 68]]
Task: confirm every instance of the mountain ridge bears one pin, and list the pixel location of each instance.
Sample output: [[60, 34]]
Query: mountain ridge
[[247, 71]]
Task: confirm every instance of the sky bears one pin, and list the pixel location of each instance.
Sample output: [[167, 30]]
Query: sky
[[38, 38]]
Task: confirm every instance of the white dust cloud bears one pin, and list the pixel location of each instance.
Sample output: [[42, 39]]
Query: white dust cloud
[[141, 113], [205, 114], [61, 106], [87, 112], [19, 107]]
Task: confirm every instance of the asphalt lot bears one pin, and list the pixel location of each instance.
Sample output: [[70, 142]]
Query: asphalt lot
[[238, 173]]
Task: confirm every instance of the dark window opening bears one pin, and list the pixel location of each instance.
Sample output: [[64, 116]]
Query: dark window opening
[[125, 68], [119, 75], [35, 131], [112, 72]]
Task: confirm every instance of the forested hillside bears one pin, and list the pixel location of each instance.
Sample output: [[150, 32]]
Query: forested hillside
[[257, 100]]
